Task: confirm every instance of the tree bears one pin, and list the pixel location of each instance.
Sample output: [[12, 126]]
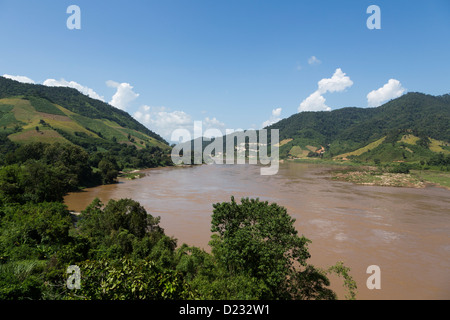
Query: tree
[[11, 190], [33, 231], [424, 142], [120, 228], [43, 183], [108, 171], [34, 181], [260, 241]]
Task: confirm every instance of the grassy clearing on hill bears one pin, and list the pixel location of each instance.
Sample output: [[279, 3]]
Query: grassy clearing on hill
[[360, 151], [32, 135]]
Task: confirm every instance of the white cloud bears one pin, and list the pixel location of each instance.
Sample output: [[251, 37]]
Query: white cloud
[[213, 123], [316, 102], [276, 112], [338, 82], [22, 79], [123, 96], [162, 121], [275, 117], [72, 84], [314, 61], [391, 90], [165, 122]]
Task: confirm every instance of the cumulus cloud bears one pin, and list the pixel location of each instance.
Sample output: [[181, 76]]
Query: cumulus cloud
[[123, 96], [275, 117], [314, 61], [276, 112], [338, 82], [213, 123], [72, 84], [316, 102], [164, 122], [22, 79], [391, 90]]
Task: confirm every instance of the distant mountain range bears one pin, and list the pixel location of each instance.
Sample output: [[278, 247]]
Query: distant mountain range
[[412, 128], [38, 113]]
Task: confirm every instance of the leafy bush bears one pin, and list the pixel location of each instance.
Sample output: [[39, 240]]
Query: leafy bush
[[125, 279], [400, 168]]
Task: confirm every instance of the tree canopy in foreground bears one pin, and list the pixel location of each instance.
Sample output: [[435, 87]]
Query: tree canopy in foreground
[[124, 254]]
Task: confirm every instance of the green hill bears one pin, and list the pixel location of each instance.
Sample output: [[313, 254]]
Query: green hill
[[77, 140], [367, 134], [30, 113]]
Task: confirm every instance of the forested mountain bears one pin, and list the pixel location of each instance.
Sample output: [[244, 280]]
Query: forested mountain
[[406, 120], [412, 128]]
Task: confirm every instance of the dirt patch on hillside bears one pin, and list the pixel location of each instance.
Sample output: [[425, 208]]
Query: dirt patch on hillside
[[55, 117], [34, 135]]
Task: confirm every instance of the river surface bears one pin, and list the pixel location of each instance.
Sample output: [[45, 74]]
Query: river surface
[[404, 231]]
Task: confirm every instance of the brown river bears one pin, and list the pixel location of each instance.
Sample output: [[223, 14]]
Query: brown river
[[404, 231]]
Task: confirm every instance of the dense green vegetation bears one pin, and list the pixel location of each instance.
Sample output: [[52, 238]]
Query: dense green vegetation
[[46, 172], [123, 253]]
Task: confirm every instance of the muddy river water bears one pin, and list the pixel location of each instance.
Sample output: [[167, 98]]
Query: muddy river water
[[404, 231]]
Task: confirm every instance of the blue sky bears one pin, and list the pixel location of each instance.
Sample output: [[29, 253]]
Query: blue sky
[[231, 64]]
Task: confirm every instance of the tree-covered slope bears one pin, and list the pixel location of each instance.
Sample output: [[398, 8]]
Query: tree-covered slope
[[348, 129], [38, 122], [95, 116]]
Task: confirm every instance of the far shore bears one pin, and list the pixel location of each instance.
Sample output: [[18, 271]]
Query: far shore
[[372, 175]]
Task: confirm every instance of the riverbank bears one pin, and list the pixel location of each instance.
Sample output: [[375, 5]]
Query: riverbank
[[131, 174], [374, 176]]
